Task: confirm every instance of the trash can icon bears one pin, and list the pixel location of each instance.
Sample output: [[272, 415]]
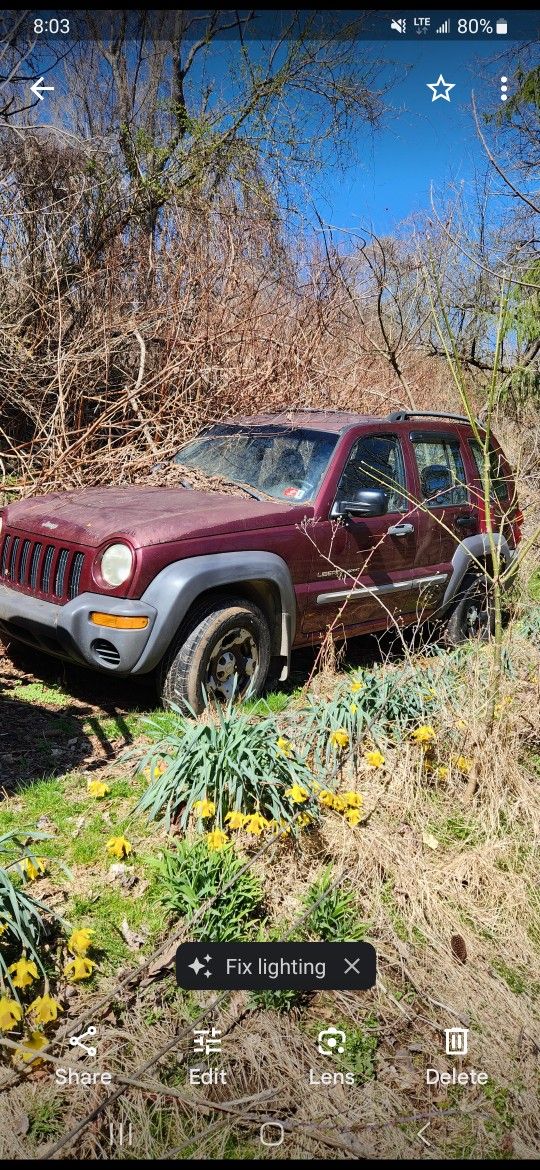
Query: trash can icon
[[501, 27]]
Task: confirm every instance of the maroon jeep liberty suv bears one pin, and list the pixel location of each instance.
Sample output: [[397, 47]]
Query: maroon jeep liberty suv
[[344, 521]]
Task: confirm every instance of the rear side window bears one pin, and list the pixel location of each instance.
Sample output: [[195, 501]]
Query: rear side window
[[439, 460], [375, 461], [499, 483]]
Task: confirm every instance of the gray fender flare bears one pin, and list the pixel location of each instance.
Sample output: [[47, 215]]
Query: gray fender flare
[[174, 590], [462, 561]]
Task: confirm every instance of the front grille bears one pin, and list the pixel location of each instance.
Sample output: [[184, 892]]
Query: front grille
[[75, 574], [52, 571], [46, 574]]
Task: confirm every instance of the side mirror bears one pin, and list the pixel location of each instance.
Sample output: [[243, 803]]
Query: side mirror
[[367, 502], [435, 480]]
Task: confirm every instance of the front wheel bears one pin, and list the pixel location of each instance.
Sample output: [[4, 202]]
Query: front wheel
[[222, 653], [472, 616]]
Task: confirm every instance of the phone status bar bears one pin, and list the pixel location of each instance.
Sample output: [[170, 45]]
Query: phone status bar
[[170, 24]]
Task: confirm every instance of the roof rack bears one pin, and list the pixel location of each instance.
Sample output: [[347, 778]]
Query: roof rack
[[403, 415]]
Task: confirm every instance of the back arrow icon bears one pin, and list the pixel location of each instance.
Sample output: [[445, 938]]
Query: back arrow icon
[[421, 1131], [40, 89]]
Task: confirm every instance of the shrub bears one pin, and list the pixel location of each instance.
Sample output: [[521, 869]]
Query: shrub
[[237, 764], [193, 874]]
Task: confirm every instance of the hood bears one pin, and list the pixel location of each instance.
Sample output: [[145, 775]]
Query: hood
[[147, 516]]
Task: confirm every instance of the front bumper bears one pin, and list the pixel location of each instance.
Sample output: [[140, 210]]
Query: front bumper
[[67, 632]]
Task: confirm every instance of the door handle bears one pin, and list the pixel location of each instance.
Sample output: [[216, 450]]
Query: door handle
[[465, 521], [400, 530]]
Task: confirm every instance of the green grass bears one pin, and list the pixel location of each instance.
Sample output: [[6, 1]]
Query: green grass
[[45, 1120], [39, 693], [456, 830], [333, 912], [513, 977], [104, 913], [534, 585]]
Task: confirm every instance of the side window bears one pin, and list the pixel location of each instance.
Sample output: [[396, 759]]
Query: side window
[[375, 461], [439, 462], [499, 483]]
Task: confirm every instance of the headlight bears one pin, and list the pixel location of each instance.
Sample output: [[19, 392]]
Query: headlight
[[116, 564]]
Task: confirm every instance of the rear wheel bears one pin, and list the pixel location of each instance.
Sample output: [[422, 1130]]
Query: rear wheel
[[472, 616], [223, 651]]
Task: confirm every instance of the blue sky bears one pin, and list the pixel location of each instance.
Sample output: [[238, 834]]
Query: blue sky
[[423, 141]]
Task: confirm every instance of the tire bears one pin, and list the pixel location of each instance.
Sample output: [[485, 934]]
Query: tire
[[472, 616], [222, 637]]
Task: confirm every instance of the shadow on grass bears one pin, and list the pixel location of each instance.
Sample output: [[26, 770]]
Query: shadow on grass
[[55, 718]]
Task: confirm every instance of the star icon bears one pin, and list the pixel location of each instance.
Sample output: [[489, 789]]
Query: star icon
[[441, 84]]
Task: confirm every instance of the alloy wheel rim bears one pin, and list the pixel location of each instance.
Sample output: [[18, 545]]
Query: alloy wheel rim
[[233, 662]]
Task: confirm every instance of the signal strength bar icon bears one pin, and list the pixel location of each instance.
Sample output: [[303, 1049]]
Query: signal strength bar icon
[[443, 28]]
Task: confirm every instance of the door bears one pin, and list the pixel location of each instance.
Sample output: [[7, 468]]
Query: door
[[448, 516], [364, 568]]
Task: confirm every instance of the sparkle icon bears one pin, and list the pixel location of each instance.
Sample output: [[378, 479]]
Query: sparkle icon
[[440, 88], [197, 966]]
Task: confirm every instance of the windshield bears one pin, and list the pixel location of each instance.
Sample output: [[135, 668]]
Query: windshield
[[286, 464]]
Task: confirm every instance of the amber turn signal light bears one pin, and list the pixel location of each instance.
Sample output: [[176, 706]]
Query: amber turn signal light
[[119, 623]]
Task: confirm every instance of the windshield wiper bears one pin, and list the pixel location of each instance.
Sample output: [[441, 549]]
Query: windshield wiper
[[237, 483]]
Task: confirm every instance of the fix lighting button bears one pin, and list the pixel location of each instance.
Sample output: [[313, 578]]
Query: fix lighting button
[[262, 966]]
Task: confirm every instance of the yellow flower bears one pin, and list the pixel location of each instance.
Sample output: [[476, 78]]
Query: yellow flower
[[303, 819], [24, 971], [339, 803], [235, 819], [217, 840], [81, 940], [353, 708], [79, 968], [3, 927], [327, 798], [44, 1009], [430, 694], [297, 794], [160, 768], [255, 824], [204, 808], [375, 759], [285, 747], [118, 847], [354, 800], [98, 788], [442, 772], [463, 764], [340, 738], [35, 1041], [33, 868], [424, 734], [352, 815], [10, 1013], [357, 686], [286, 829]]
